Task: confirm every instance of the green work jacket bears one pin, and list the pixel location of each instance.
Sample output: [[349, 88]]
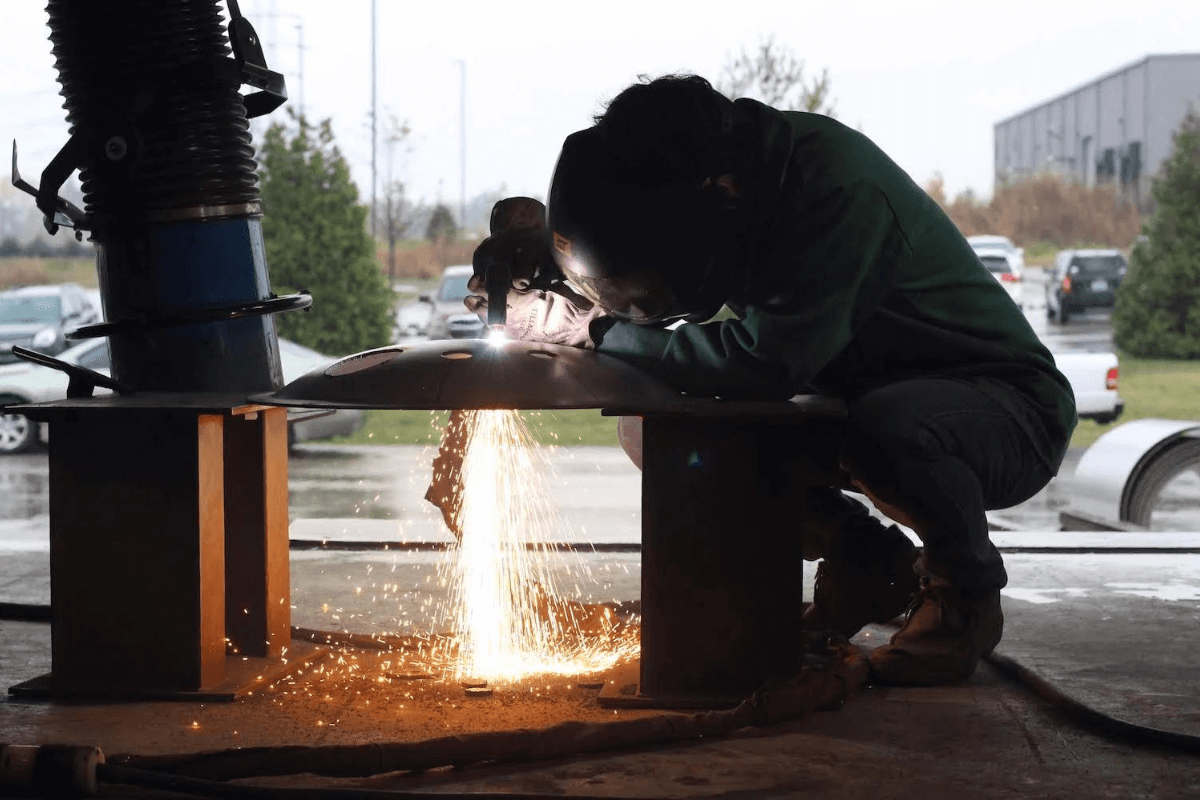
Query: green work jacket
[[853, 278]]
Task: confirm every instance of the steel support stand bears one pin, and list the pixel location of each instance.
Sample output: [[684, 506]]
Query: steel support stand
[[168, 548], [722, 563]]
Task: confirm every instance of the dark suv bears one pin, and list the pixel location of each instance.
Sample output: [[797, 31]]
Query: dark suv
[[1083, 280], [38, 317]]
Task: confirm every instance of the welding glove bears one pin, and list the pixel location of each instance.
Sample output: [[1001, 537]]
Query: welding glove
[[558, 316], [524, 252]]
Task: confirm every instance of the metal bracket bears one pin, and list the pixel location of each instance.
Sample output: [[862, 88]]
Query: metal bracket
[[252, 66], [256, 308], [57, 211], [83, 381]]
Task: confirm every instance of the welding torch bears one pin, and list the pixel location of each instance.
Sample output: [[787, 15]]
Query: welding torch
[[497, 280]]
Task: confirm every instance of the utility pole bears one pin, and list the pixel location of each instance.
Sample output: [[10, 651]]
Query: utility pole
[[374, 135], [462, 144], [300, 49], [393, 197]]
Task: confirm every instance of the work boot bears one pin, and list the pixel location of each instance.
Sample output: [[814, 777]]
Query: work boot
[[944, 636], [849, 595]]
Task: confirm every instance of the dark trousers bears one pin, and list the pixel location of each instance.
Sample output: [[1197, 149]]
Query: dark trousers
[[934, 454]]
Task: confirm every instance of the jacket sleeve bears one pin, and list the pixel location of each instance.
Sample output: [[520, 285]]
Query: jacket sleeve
[[821, 268]]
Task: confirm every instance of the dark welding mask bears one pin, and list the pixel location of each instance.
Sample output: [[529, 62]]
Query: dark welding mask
[[645, 255]]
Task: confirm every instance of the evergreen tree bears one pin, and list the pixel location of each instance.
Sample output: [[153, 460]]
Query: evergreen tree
[[1157, 313], [441, 224], [316, 239]]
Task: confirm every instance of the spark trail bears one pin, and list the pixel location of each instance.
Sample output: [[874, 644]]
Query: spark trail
[[504, 602]]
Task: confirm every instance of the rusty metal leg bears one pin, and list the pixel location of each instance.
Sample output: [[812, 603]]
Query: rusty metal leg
[[137, 557], [257, 593], [721, 560]]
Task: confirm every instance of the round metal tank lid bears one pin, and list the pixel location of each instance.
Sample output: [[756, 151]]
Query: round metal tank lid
[[475, 374]]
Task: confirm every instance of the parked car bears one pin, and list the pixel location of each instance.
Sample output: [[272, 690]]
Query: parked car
[[448, 306], [38, 317], [1004, 260], [412, 318], [1094, 378], [23, 382], [1083, 280], [1015, 255], [465, 326]]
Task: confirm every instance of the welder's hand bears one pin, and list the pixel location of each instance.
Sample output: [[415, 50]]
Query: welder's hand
[[525, 252], [553, 317]]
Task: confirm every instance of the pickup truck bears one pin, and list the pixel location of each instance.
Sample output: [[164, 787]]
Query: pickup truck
[[1093, 376]]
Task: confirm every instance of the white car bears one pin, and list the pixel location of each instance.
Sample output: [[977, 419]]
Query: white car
[[1004, 260], [1094, 378], [450, 318], [24, 382], [1016, 255]]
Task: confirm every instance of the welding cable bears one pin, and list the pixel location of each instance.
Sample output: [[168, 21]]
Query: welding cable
[[1083, 715], [177, 785], [24, 612], [1088, 718], [782, 700]]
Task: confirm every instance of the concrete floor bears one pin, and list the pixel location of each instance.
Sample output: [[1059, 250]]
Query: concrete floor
[[1112, 629]]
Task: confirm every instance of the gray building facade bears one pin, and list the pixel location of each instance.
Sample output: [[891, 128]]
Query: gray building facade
[[1116, 129]]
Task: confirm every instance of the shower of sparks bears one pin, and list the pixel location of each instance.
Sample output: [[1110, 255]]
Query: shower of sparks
[[509, 617]]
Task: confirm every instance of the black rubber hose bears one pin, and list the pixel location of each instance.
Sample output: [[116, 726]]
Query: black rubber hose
[[117, 775], [138, 75], [24, 612], [1089, 718]]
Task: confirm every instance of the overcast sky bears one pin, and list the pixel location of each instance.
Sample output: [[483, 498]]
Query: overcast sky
[[926, 79]]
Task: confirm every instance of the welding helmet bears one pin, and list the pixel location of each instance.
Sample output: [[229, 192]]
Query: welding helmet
[[645, 255]]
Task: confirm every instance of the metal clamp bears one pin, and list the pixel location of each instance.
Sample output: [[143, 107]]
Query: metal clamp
[[63, 212], [82, 381], [252, 66]]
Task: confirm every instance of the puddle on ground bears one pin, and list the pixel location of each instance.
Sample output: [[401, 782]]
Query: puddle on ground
[[1157, 591], [1043, 596]]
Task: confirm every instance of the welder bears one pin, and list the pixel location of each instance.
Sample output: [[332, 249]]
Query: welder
[[834, 273]]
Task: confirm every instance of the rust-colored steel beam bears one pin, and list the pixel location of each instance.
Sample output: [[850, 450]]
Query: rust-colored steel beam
[[168, 547]]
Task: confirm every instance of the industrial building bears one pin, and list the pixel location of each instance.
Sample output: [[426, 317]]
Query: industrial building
[[1115, 129]]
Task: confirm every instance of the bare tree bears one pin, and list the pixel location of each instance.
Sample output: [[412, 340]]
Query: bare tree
[[773, 75], [396, 217], [396, 214]]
